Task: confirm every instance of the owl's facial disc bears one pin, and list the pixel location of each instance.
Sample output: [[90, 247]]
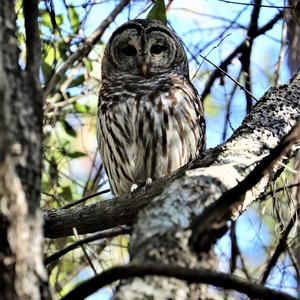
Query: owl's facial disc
[[143, 53]]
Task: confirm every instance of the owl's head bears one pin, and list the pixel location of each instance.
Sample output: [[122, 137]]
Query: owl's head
[[144, 48]]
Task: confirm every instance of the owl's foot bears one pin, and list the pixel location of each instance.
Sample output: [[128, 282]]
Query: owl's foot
[[133, 188], [140, 184], [148, 183]]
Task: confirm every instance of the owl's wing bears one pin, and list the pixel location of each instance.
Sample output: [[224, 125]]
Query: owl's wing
[[115, 142]]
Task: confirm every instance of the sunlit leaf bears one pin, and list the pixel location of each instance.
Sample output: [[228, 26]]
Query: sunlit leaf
[[88, 64], [81, 108], [74, 18], [158, 11], [76, 154], [68, 128], [211, 109]]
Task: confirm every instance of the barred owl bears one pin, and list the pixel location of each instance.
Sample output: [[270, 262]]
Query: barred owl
[[150, 118]]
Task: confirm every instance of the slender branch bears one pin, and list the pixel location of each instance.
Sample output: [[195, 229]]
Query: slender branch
[[239, 49], [231, 198], [85, 48], [255, 4], [101, 235], [246, 55], [85, 254], [279, 190], [229, 76], [280, 247], [220, 280], [83, 199], [34, 56]]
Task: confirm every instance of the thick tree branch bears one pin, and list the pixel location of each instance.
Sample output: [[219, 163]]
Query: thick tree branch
[[33, 43], [262, 130], [162, 232], [233, 197], [190, 275]]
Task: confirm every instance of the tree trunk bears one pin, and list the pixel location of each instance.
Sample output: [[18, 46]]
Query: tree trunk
[[22, 273]]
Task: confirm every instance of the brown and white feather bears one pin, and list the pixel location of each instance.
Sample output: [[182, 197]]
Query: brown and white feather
[[147, 127]]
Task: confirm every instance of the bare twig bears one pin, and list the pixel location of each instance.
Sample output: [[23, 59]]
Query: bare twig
[[281, 53], [85, 48], [255, 4], [85, 198], [101, 235], [246, 54], [86, 255], [229, 76], [280, 247], [239, 49]]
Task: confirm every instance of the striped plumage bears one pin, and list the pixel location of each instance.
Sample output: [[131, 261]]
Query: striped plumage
[[149, 124]]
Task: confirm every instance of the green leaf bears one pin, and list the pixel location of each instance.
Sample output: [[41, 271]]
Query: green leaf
[[46, 19], [77, 81], [81, 108], [158, 11], [47, 70], [88, 64], [76, 154], [66, 194], [68, 128], [211, 108], [74, 18]]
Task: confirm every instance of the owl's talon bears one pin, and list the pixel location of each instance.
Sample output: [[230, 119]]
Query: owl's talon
[[148, 183], [133, 188]]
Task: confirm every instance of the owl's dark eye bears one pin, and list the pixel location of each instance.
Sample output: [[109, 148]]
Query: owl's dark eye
[[157, 49], [129, 50]]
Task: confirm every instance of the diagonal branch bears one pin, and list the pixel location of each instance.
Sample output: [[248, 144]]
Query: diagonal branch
[[233, 197], [190, 275], [101, 235], [239, 49], [265, 126], [85, 48], [280, 247]]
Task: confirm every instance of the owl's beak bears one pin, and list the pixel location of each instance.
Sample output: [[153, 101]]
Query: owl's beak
[[144, 69]]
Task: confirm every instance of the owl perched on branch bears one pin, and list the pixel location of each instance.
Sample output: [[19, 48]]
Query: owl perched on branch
[[150, 120]]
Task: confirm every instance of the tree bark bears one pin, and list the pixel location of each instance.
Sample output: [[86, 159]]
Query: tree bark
[[22, 273]]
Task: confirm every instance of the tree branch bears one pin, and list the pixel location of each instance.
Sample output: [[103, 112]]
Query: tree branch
[[190, 275], [239, 49], [265, 126], [33, 42], [101, 235], [280, 247], [203, 224], [85, 48]]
